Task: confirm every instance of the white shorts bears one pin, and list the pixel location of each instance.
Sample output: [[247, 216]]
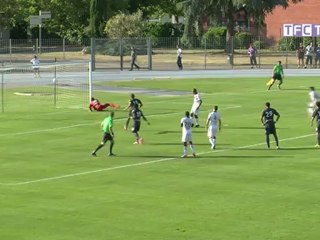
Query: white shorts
[[311, 108], [212, 131], [186, 137], [194, 110]]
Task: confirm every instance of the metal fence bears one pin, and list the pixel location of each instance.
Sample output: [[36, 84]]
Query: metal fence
[[155, 53]]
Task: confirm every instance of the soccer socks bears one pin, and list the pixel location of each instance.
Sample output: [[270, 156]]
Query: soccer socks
[[213, 142], [277, 141], [111, 147], [97, 149], [197, 120], [192, 149], [275, 138], [127, 123], [185, 152], [268, 141]]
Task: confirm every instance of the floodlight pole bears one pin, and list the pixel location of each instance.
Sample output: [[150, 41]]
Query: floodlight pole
[[2, 92], [39, 50], [40, 26]]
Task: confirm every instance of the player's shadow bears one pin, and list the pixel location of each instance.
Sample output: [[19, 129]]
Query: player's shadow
[[247, 127], [245, 157], [179, 143], [167, 132], [294, 89], [274, 149]]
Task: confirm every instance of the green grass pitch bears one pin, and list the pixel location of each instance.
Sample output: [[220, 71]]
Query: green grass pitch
[[51, 188]]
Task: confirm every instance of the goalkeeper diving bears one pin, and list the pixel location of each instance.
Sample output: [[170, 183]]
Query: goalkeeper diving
[[97, 106]]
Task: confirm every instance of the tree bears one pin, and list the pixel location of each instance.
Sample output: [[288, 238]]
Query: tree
[[101, 11], [98, 13], [258, 9], [7, 10], [122, 25], [69, 18]]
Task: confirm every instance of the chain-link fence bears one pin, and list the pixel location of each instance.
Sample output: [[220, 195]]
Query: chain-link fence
[[157, 53]]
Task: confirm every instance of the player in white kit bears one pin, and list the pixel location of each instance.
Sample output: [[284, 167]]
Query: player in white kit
[[195, 109], [213, 125], [186, 124], [314, 98]]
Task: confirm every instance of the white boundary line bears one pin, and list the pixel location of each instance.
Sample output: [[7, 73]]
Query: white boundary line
[[138, 164]]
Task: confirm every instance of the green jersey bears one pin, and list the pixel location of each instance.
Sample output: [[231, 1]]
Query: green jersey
[[106, 124], [278, 69]]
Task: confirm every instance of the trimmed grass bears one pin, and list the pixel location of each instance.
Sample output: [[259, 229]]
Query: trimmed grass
[[51, 188]]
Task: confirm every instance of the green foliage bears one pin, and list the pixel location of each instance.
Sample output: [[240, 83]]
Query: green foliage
[[196, 10], [157, 30], [7, 12], [259, 44], [243, 39], [122, 25], [215, 37], [292, 43], [117, 47], [98, 15]]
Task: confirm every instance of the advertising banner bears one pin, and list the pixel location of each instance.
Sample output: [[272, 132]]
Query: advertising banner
[[301, 30]]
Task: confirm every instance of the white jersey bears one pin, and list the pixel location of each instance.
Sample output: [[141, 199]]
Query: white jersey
[[186, 129], [35, 62], [309, 50], [186, 124], [179, 52], [214, 118], [314, 97], [196, 103], [196, 99]]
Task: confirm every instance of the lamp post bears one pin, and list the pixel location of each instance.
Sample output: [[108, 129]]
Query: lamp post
[[37, 20]]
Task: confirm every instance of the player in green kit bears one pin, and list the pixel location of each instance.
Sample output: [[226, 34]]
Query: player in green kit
[[108, 135], [277, 75]]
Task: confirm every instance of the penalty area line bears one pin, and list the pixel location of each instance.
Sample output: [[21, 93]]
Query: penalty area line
[[140, 164]]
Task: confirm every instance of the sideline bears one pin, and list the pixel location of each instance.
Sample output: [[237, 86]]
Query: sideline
[[139, 164]]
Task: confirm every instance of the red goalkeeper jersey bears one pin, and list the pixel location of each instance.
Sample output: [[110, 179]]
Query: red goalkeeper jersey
[[96, 105]]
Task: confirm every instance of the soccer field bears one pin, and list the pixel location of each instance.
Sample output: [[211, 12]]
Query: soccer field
[[52, 188]]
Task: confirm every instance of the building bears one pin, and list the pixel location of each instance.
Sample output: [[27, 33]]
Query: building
[[305, 12]]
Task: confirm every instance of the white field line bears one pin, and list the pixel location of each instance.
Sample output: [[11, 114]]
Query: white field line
[[71, 126], [138, 164], [91, 123]]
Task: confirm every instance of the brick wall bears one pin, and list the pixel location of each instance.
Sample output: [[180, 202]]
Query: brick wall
[[308, 11]]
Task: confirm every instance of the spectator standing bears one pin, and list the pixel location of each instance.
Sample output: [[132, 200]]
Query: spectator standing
[[309, 55], [317, 57], [179, 57], [300, 55], [252, 51], [133, 59]]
